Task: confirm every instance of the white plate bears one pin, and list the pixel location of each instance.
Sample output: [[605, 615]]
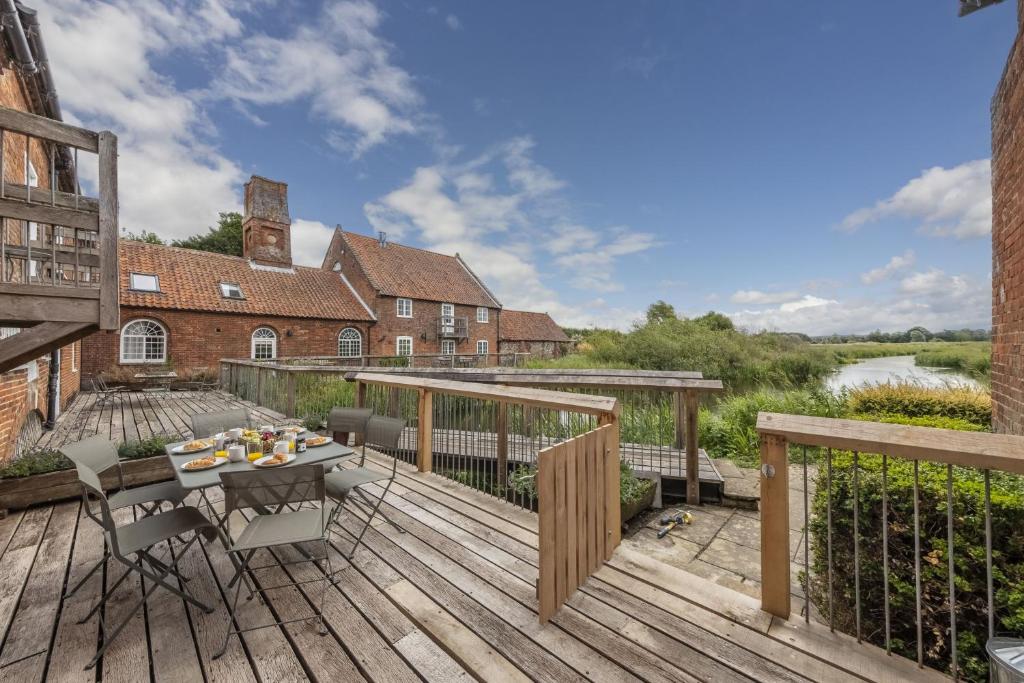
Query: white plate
[[217, 463], [181, 448], [318, 445], [293, 430], [262, 461]]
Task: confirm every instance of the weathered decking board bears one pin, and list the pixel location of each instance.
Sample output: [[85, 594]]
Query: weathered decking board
[[450, 599], [134, 415]]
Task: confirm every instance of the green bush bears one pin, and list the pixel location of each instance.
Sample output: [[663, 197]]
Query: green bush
[[38, 461], [937, 421], [975, 360], [969, 556], [631, 489], [146, 448], [964, 403]]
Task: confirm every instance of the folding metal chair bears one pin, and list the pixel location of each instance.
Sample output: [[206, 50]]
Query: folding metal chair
[[208, 424], [138, 539], [103, 392], [275, 491], [383, 433], [100, 455], [344, 421]]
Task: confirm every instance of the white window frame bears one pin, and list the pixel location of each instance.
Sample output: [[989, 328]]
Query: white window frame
[[74, 357], [400, 303], [447, 347], [131, 282], [261, 340], [398, 346], [144, 359], [448, 319], [32, 229], [225, 287], [483, 315], [359, 351], [485, 347]]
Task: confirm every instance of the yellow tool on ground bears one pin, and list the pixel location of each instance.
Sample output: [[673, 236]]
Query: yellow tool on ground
[[669, 523]]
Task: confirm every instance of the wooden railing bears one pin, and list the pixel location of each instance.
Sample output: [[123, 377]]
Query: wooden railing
[[58, 247], [579, 525], [893, 510]]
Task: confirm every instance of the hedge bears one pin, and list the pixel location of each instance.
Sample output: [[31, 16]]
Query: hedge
[[911, 400], [969, 556]]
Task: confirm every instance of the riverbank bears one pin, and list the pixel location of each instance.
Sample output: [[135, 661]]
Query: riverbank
[[971, 357]]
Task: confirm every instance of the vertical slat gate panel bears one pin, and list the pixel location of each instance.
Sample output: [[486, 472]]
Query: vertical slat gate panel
[[546, 528], [613, 511], [597, 446], [561, 535], [592, 504], [572, 542], [582, 560]]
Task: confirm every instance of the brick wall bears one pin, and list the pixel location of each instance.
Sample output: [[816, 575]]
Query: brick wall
[[1007, 245], [197, 340], [422, 327]]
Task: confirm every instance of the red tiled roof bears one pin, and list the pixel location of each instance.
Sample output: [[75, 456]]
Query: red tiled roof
[[190, 280], [398, 270], [527, 326]]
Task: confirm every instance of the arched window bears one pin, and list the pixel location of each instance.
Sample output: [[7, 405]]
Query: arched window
[[143, 341], [264, 344], [350, 343]]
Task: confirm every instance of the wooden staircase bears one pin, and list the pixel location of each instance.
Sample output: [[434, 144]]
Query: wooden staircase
[[58, 246]]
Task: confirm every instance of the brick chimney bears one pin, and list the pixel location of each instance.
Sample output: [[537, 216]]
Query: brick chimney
[[266, 226]]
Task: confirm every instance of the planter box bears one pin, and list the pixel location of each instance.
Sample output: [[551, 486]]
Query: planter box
[[628, 512], [63, 485]]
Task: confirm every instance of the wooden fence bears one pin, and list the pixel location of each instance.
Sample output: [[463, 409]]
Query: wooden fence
[[579, 526]]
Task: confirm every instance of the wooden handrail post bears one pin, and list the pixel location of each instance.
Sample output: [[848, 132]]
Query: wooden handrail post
[[360, 403], [775, 526], [425, 431], [692, 449], [501, 452], [612, 492], [679, 419], [290, 410], [108, 232]]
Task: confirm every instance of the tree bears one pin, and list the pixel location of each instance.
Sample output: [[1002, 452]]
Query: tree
[[660, 311], [226, 238], [918, 334], [144, 236], [715, 321]]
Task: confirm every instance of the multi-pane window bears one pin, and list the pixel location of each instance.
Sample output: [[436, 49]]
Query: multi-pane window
[[350, 343], [447, 347], [404, 308], [143, 341], [481, 347], [403, 346], [229, 290], [264, 344], [143, 282], [448, 320], [481, 314]]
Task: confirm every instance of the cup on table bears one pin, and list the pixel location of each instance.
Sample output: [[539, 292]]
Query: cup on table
[[235, 433], [220, 444], [236, 453], [267, 428], [290, 438], [281, 447]]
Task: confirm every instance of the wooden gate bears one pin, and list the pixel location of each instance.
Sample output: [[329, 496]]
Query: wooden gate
[[578, 505]]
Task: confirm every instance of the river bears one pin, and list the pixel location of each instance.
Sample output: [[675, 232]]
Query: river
[[895, 369]]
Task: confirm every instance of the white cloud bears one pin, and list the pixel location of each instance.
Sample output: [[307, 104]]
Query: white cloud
[[757, 297], [895, 265], [172, 178], [310, 240], [949, 202], [339, 64], [505, 214], [453, 22]]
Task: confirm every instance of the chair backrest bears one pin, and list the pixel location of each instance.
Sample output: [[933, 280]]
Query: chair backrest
[[95, 453], [91, 485], [384, 432], [272, 487], [98, 383], [352, 420], [208, 424]]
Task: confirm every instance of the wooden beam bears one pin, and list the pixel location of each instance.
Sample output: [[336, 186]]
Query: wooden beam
[[109, 284], [425, 431], [692, 448], [37, 341], [48, 129], [981, 450], [774, 526], [42, 195], [44, 213], [28, 309], [45, 254]]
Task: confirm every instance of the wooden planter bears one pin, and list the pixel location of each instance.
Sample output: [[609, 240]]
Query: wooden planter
[[53, 486], [630, 511]]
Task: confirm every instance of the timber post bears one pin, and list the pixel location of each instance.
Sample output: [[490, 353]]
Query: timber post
[[775, 526]]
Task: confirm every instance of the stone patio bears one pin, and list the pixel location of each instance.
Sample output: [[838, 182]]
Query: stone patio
[[723, 542]]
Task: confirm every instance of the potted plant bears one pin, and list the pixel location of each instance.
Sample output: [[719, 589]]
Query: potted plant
[[635, 495]]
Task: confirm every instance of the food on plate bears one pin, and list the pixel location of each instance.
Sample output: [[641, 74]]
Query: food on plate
[[292, 430], [201, 463], [197, 445], [317, 441], [276, 459]]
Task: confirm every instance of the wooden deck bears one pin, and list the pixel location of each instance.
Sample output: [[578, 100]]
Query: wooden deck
[[135, 415], [452, 599]]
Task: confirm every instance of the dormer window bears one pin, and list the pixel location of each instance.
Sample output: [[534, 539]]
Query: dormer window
[[230, 290], [143, 282]]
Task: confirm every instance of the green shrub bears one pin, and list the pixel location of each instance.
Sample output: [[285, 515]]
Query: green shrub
[[964, 403], [312, 423], [37, 461], [937, 421], [969, 556], [975, 360], [146, 448], [631, 489]]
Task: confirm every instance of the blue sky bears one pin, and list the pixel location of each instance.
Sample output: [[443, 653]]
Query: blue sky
[[808, 166]]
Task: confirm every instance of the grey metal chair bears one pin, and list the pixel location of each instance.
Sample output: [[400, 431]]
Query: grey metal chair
[[100, 455], [105, 393], [132, 545], [384, 434], [344, 421], [275, 492], [208, 424]]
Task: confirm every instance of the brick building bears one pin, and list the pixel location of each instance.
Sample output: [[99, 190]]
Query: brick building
[[534, 333], [29, 394], [185, 310], [1008, 243], [424, 302]]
